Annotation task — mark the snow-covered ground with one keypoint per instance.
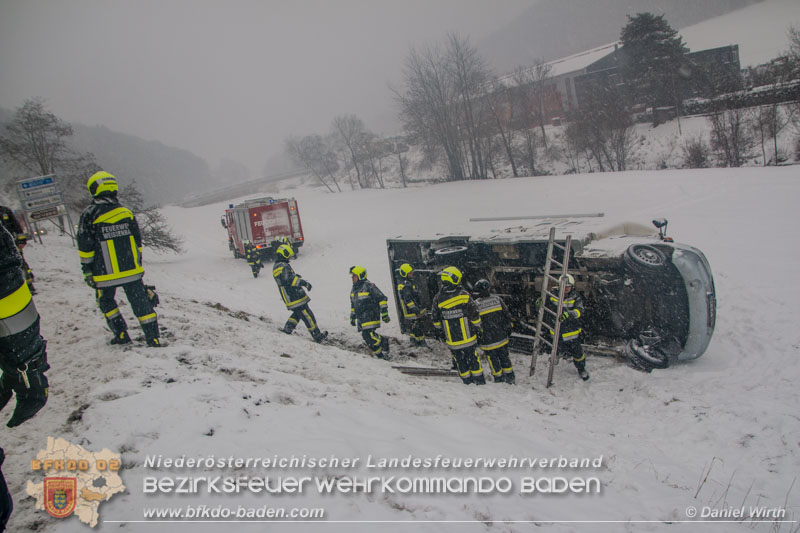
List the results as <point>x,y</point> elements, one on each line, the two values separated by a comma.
<point>722,431</point>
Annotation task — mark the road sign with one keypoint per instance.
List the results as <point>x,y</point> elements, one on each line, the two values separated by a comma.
<point>47,212</point>
<point>42,201</point>
<point>40,191</point>
<point>34,183</point>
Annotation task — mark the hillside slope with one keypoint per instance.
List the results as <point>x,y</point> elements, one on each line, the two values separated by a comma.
<point>229,384</point>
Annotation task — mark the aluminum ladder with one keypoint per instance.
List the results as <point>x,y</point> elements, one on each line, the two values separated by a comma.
<point>544,295</point>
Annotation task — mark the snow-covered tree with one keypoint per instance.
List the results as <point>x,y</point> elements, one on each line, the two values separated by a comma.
<point>653,54</point>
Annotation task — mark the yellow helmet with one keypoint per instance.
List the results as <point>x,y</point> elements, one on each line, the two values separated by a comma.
<point>405,269</point>
<point>359,272</point>
<point>285,251</point>
<point>451,275</point>
<point>101,182</point>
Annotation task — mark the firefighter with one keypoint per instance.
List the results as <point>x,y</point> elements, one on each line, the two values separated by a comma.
<point>23,355</point>
<point>496,320</point>
<point>253,257</point>
<point>571,325</point>
<point>456,317</point>
<point>110,248</point>
<point>410,304</point>
<point>368,306</point>
<point>6,503</point>
<point>10,222</point>
<point>293,289</point>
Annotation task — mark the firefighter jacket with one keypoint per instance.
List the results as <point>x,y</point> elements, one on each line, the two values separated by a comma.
<point>290,285</point>
<point>17,311</point>
<point>455,313</point>
<point>409,299</point>
<point>251,254</point>
<point>367,304</point>
<point>573,306</point>
<point>109,243</point>
<point>10,222</point>
<point>495,320</point>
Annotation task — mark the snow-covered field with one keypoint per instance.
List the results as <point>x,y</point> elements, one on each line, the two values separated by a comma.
<point>720,432</point>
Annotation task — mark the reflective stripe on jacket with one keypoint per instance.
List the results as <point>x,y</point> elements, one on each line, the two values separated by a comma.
<point>409,300</point>
<point>495,320</point>
<point>573,304</point>
<point>290,285</point>
<point>367,303</point>
<point>109,243</point>
<point>455,313</point>
<point>17,310</point>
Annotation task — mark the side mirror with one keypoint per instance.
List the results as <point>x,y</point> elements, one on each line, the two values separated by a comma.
<point>660,222</point>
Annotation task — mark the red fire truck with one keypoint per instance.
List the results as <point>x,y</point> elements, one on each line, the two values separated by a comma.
<point>263,222</point>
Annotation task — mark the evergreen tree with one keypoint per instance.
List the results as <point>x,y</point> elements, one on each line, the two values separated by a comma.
<point>653,54</point>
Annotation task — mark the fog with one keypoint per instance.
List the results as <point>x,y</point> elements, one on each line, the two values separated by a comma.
<point>224,78</point>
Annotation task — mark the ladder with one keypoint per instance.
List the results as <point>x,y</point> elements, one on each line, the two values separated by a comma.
<point>544,295</point>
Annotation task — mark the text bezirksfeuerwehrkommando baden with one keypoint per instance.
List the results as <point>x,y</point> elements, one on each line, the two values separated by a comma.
<point>161,462</point>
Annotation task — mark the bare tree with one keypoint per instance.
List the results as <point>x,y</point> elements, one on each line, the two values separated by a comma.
<point>427,107</point>
<point>314,154</point>
<point>470,75</point>
<point>540,80</point>
<point>350,132</point>
<point>604,127</point>
<point>376,150</point>
<point>730,138</point>
<point>35,143</point>
<point>156,233</point>
<point>500,101</point>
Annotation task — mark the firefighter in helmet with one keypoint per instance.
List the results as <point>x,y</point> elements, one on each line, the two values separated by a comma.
<point>110,248</point>
<point>410,304</point>
<point>368,306</point>
<point>293,289</point>
<point>253,257</point>
<point>456,317</point>
<point>10,222</point>
<point>496,320</point>
<point>571,329</point>
<point>23,356</point>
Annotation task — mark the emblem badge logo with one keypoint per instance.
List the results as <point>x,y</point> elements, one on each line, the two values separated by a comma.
<point>60,495</point>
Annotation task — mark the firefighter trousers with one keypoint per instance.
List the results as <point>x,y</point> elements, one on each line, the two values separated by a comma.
<point>417,332</point>
<point>572,348</point>
<point>305,314</point>
<point>499,362</point>
<point>378,344</point>
<point>140,303</point>
<point>468,365</point>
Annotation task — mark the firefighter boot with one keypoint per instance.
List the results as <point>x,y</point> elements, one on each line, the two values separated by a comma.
<point>581,366</point>
<point>288,328</point>
<point>6,388</point>
<point>319,336</point>
<point>151,334</point>
<point>510,378</point>
<point>120,330</point>
<point>31,389</point>
<point>121,338</point>
<point>500,379</point>
<point>479,379</point>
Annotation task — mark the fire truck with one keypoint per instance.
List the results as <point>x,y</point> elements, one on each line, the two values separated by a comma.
<point>263,222</point>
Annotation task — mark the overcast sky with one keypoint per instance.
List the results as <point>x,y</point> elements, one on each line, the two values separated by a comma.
<point>223,78</point>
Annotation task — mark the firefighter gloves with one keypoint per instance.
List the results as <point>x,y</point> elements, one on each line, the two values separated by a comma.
<point>385,316</point>
<point>89,279</point>
<point>564,316</point>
